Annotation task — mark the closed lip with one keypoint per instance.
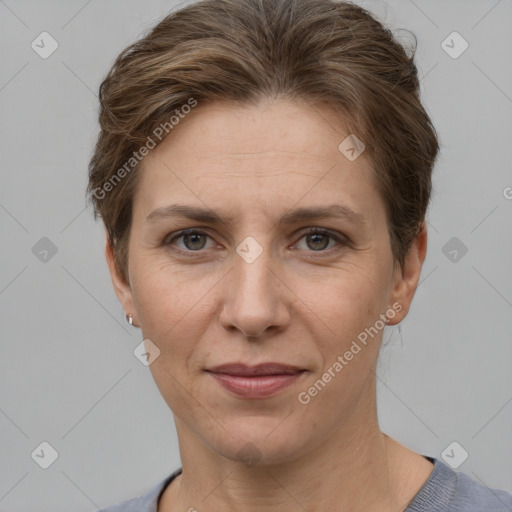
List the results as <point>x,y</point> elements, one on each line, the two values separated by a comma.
<point>255,382</point>
<point>243,370</point>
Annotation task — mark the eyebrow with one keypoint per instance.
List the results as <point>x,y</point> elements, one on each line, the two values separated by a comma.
<point>292,217</point>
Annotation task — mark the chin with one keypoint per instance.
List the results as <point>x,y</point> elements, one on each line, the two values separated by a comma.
<point>262,441</point>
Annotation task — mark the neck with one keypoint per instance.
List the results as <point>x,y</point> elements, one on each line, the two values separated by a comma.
<point>357,468</point>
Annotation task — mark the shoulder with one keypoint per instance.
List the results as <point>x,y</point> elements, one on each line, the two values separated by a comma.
<point>128,506</point>
<point>447,490</point>
<point>145,503</point>
<point>473,495</point>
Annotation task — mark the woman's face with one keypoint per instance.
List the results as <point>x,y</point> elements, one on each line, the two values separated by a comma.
<point>254,287</point>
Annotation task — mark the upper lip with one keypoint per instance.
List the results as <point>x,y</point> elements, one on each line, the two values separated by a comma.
<point>259,369</point>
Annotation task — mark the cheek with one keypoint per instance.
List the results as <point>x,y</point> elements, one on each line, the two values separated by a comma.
<point>162,305</point>
<point>163,295</point>
<point>169,308</point>
<point>351,301</point>
<point>348,335</point>
<point>349,349</point>
<point>175,309</point>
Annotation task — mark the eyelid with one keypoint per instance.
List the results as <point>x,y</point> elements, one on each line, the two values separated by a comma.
<point>340,238</point>
<point>171,237</point>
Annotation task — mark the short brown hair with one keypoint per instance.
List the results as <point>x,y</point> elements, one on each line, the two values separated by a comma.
<point>245,51</point>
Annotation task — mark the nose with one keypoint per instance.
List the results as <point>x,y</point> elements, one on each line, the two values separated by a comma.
<point>255,298</point>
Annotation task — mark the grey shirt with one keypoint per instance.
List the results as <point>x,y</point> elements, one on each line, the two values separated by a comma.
<point>445,490</point>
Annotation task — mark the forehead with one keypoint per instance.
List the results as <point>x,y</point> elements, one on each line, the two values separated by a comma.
<point>275,154</point>
<point>257,131</point>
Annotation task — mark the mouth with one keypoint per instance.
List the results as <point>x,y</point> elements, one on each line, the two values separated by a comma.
<point>255,382</point>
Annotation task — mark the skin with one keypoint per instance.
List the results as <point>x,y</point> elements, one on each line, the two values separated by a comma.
<point>301,302</point>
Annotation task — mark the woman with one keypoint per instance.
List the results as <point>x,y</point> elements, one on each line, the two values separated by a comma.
<point>263,172</point>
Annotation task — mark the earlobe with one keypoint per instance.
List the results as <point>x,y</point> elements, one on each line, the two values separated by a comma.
<point>121,287</point>
<point>407,278</point>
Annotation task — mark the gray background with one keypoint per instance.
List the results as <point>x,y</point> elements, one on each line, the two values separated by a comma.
<point>68,375</point>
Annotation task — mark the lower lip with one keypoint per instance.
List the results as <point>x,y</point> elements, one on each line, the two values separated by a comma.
<point>261,386</point>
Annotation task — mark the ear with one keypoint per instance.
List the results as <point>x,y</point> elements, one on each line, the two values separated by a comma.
<point>121,287</point>
<point>406,279</point>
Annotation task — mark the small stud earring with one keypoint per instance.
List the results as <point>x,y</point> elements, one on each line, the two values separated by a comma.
<point>129,318</point>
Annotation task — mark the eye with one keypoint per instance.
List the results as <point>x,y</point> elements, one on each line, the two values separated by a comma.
<point>193,240</point>
<point>317,240</point>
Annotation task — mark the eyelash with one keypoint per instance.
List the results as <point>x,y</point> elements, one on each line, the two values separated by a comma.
<point>340,240</point>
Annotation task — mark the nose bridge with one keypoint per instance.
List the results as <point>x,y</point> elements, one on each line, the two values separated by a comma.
<point>252,302</point>
<point>252,278</point>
